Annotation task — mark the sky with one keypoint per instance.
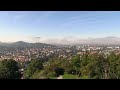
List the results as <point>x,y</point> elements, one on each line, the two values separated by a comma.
<point>50,25</point>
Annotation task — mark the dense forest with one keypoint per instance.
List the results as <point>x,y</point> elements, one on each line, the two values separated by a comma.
<point>85,66</point>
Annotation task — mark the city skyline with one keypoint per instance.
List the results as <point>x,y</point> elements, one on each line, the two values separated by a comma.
<point>47,26</point>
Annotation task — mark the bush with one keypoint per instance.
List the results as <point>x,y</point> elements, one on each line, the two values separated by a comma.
<point>72,72</point>
<point>39,75</point>
<point>59,71</point>
<point>52,74</point>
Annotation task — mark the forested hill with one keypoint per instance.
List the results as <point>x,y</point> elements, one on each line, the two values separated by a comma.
<point>23,45</point>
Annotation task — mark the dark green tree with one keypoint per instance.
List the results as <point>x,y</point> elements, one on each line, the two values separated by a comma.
<point>75,62</point>
<point>9,70</point>
<point>59,71</point>
<point>33,66</point>
<point>100,68</point>
<point>114,66</point>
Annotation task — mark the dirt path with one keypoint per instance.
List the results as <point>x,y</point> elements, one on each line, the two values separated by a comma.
<point>60,77</point>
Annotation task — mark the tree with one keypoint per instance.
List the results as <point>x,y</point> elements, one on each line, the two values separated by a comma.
<point>67,66</point>
<point>99,68</point>
<point>90,66</point>
<point>114,66</point>
<point>59,71</point>
<point>33,66</point>
<point>9,70</point>
<point>75,62</point>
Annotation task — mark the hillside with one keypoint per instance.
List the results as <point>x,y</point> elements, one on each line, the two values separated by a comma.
<point>22,45</point>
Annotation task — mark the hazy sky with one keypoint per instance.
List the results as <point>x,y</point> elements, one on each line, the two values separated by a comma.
<point>24,25</point>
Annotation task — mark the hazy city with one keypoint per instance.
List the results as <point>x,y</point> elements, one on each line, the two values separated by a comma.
<point>59,45</point>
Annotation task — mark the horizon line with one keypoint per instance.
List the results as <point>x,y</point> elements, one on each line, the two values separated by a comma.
<point>48,40</point>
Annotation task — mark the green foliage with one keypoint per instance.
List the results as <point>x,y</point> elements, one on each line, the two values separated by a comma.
<point>39,75</point>
<point>59,71</point>
<point>52,74</point>
<point>9,70</point>
<point>84,77</point>
<point>69,76</point>
<point>86,66</point>
<point>114,66</point>
<point>34,65</point>
<point>52,78</point>
<point>67,66</point>
<point>76,61</point>
<point>89,66</point>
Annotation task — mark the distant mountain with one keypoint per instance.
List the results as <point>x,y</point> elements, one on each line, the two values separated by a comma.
<point>22,45</point>
<point>64,42</point>
<point>20,42</point>
<point>25,44</point>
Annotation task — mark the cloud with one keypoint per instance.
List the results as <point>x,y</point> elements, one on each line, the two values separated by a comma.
<point>58,40</point>
<point>62,40</point>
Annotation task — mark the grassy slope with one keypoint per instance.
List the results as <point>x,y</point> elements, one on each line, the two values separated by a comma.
<point>69,76</point>
<point>52,77</point>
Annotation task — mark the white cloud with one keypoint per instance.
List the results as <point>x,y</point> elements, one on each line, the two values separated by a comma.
<point>58,40</point>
